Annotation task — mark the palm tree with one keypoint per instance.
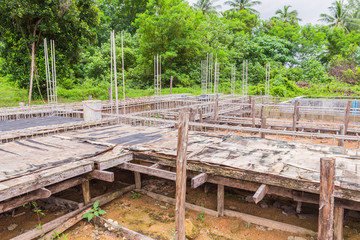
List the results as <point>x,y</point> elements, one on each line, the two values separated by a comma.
<point>340,16</point>
<point>286,15</point>
<point>238,5</point>
<point>206,6</point>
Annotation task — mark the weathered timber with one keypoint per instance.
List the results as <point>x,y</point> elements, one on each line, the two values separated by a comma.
<point>269,223</point>
<point>220,200</point>
<point>199,180</point>
<point>338,223</point>
<point>149,171</point>
<point>342,132</point>
<point>181,159</point>
<point>86,191</point>
<point>137,176</point>
<point>19,201</point>
<point>326,210</point>
<point>347,116</point>
<point>61,186</point>
<point>102,175</point>
<point>253,113</point>
<point>263,126</point>
<point>216,108</point>
<point>295,115</point>
<point>109,163</point>
<point>260,193</point>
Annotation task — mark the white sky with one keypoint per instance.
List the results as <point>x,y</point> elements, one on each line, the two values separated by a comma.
<point>309,10</point>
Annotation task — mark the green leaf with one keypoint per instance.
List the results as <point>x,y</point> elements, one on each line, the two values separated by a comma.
<point>90,217</point>
<point>96,213</point>
<point>96,204</point>
<point>101,212</point>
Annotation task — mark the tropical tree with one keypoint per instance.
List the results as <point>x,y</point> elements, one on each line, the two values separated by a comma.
<point>287,16</point>
<point>340,16</point>
<point>238,5</point>
<point>206,6</point>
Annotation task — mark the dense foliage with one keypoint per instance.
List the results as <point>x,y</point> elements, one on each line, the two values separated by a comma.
<point>302,57</point>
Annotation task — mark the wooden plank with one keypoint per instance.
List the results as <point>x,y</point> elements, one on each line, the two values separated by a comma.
<point>220,200</point>
<point>149,171</point>
<point>260,193</point>
<point>86,191</point>
<point>198,180</point>
<point>295,115</point>
<point>216,108</point>
<point>109,163</point>
<point>137,176</point>
<point>102,175</point>
<point>338,223</point>
<point>326,210</point>
<point>342,132</point>
<point>19,201</point>
<point>269,223</point>
<point>253,113</point>
<point>61,186</point>
<point>182,143</point>
<point>28,183</point>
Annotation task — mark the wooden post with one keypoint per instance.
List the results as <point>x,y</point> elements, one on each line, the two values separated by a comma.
<point>253,113</point>
<point>263,126</point>
<point>342,132</point>
<point>171,83</point>
<point>326,202</point>
<point>181,174</point>
<point>338,223</point>
<point>220,200</point>
<point>295,115</point>
<point>216,108</point>
<point>347,116</point>
<point>110,95</point>
<point>137,180</point>
<point>262,111</point>
<point>86,191</point>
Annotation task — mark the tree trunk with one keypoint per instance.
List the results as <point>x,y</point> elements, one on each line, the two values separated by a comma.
<point>32,70</point>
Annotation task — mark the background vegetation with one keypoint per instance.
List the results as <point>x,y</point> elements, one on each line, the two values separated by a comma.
<point>305,60</point>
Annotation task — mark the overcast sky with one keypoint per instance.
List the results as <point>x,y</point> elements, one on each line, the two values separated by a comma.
<point>309,10</point>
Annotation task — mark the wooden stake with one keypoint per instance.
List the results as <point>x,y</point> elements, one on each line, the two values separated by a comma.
<point>263,126</point>
<point>253,112</point>
<point>86,191</point>
<point>260,193</point>
<point>338,223</point>
<point>295,115</point>
<point>342,132</point>
<point>171,83</point>
<point>347,116</point>
<point>326,211</point>
<point>216,108</point>
<point>137,180</point>
<point>220,200</point>
<point>181,174</point>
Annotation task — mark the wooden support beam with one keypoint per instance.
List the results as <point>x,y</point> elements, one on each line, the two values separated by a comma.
<point>199,180</point>
<point>262,112</point>
<point>338,223</point>
<point>181,160</point>
<point>216,108</point>
<point>342,132</point>
<point>149,171</point>
<point>220,200</point>
<point>137,176</point>
<point>61,186</point>
<point>260,193</point>
<point>86,191</point>
<point>263,126</point>
<point>326,210</point>
<point>347,116</point>
<point>102,175</point>
<point>19,201</point>
<point>253,113</point>
<point>296,115</point>
<point>171,84</point>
